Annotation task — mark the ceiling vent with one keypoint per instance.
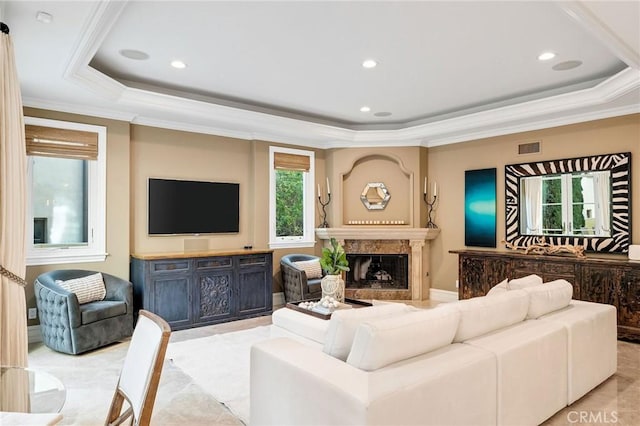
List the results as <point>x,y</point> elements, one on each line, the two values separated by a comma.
<point>529,148</point>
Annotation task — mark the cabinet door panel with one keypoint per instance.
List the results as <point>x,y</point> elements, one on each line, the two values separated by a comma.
<point>171,299</point>
<point>472,277</point>
<point>252,295</point>
<point>598,284</point>
<point>629,300</point>
<point>496,270</point>
<point>214,300</point>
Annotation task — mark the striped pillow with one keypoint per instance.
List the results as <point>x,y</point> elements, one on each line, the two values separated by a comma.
<point>87,289</point>
<point>310,267</point>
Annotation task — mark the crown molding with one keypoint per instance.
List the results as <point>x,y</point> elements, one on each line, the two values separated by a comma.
<point>73,108</point>
<point>581,13</point>
<point>145,107</point>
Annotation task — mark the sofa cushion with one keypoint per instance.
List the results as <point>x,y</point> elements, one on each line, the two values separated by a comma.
<point>499,288</point>
<point>344,323</point>
<point>310,267</point>
<point>87,289</point>
<point>528,281</point>
<point>97,311</point>
<point>548,297</point>
<point>383,341</point>
<point>481,315</point>
<point>301,324</point>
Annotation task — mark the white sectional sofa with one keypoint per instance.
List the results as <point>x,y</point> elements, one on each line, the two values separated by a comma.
<point>511,358</point>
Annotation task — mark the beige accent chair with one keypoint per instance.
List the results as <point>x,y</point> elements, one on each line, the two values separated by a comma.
<point>140,375</point>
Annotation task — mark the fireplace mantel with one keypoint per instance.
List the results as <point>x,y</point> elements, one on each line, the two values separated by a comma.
<point>377,233</point>
<point>418,241</point>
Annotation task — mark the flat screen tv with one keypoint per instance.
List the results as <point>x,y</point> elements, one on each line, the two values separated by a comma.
<point>193,207</point>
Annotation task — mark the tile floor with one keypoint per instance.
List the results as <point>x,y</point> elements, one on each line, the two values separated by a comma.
<point>91,378</point>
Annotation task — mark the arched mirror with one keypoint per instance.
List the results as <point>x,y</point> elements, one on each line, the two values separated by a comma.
<point>581,201</point>
<point>375,196</point>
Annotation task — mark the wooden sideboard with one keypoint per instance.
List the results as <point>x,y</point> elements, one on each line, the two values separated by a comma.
<point>196,289</point>
<point>612,280</point>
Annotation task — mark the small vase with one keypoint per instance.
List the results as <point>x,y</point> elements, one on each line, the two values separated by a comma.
<point>333,286</point>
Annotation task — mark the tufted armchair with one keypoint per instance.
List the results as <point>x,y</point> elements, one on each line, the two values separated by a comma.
<point>294,279</point>
<point>73,328</point>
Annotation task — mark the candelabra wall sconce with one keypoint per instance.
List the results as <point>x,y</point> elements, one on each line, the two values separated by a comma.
<point>430,203</point>
<point>324,205</point>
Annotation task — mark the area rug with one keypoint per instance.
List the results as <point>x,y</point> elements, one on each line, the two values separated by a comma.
<point>219,364</point>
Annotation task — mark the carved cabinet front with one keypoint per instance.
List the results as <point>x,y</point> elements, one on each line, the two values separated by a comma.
<point>191,292</point>
<point>615,281</point>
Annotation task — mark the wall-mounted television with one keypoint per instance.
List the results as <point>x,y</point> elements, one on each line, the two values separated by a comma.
<point>192,207</point>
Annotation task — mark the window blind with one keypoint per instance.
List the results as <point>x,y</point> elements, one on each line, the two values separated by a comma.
<point>61,143</point>
<point>283,161</point>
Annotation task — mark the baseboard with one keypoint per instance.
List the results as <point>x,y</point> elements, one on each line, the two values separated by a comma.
<point>278,299</point>
<point>34,334</point>
<point>438,295</point>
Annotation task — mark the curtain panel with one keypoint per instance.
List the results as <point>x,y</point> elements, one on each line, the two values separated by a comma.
<point>13,163</point>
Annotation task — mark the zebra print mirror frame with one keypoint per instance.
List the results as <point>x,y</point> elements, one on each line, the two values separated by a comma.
<point>620,166</point>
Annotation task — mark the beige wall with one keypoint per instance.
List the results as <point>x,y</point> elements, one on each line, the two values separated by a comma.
<point>447,164</point>
<point>135,153</point>
<point>117,262</point>
<point>181,155</point>
<point>163,153</point>
<point>400,169</point>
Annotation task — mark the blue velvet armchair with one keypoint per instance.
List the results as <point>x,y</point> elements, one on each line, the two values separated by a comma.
<point>294,280</point>
<point>73,328</point>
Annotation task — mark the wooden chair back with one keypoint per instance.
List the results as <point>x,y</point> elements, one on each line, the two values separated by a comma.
<point>140,375</point>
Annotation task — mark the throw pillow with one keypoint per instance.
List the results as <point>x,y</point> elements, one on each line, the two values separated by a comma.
<point>344,323</point>
<point>528,281</point>
<point>384,341</point>
<point>499,288</point>
<point>481,315</point>
<point>549,297</point>
<point>87,289</point>
<point>310,267</point>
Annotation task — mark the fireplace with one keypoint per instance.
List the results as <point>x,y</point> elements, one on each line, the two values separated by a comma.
<point>378,271</point>
<point>407,280</point>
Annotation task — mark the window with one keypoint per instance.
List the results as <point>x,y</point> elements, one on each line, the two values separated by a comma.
<point>291,201</point>
<point>66,187</point>
<point>567,204</point>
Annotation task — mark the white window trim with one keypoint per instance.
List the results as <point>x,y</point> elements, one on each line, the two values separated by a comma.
<point>308,239</point>
<point>95,251</point>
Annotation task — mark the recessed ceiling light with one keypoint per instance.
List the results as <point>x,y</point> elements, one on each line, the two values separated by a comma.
<point>44,17</point>
<point>566,65</point>
<point>382,114</point>
<point>365,109</point>
<point>546,56</point>
<point>369,63</point>
<point>178,64</point>
<point>138,55</point>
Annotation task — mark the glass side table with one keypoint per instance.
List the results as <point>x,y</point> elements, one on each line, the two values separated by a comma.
<point>30,391</point>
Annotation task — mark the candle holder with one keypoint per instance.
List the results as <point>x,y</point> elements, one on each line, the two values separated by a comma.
<point>324,223</point>
<point>430,223</point>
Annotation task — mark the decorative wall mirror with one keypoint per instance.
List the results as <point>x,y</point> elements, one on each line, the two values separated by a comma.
<point>580,201</point>
<point>375,196</point>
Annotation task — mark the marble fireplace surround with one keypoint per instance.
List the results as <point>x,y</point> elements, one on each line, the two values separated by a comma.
<point>388,240</point>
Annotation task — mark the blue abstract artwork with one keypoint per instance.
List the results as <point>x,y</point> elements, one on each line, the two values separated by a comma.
<point>480,208</point>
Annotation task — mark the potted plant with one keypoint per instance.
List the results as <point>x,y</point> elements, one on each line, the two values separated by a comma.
<point>334,263</point>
